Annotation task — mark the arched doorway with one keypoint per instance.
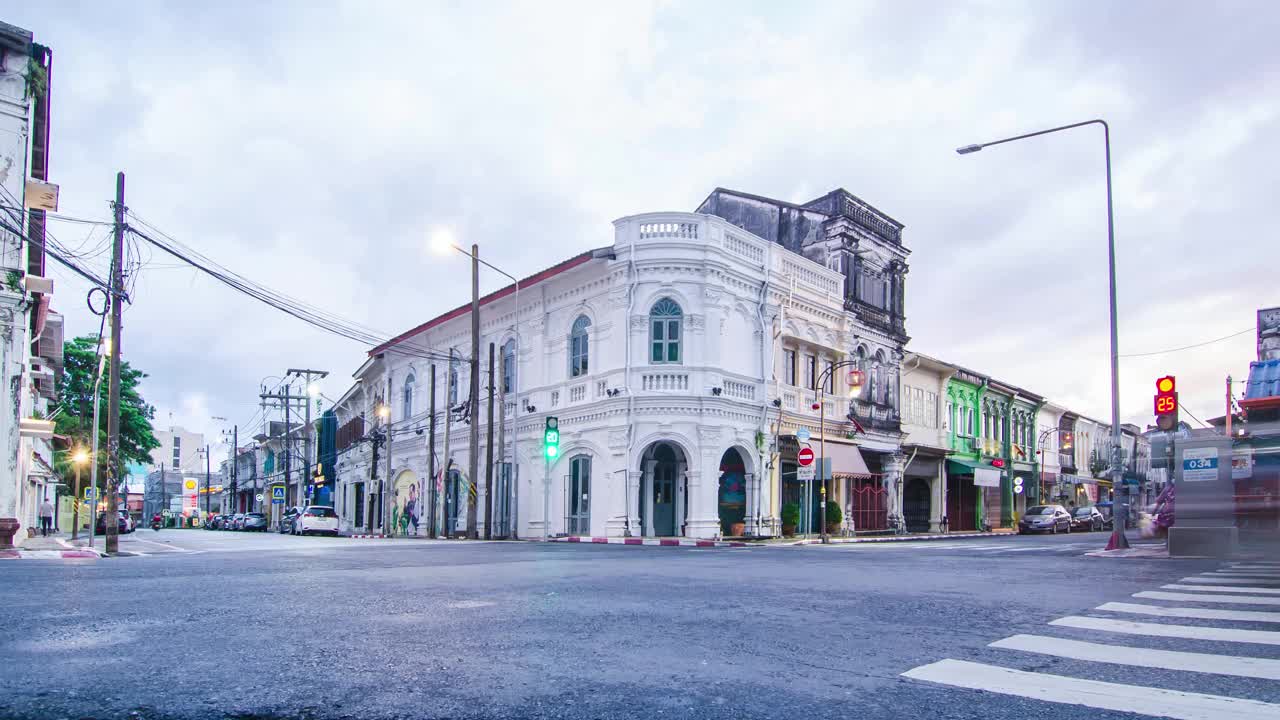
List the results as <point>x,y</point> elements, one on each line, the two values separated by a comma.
<point>662,497</point>
<point>916,502</point>
<point>406,505</point>
<point>455,503</point>
<point>732,492</point>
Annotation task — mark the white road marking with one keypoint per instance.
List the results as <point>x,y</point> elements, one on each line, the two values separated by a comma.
<point>1197,613</point>
<point>1192,632</point>
<point>1221,579</point>
<point>1263,668</point>
<point>1224,588</point>
<point>166,546</point>
<point>1189,597</point>
<point>1244,573</point>
<point>1235,566</point>
<point>1092,693</point>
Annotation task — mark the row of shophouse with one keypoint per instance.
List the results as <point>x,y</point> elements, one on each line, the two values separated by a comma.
<point>31,332</point>
<point>685,364</point>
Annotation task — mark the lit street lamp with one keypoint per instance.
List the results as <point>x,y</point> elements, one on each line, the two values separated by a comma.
<point>442,241</point>
<point>79,458</point>
<point>1118,539</point>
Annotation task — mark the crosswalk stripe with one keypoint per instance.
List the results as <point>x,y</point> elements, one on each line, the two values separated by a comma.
<point>1197,613</point>
<point>1192,632</point>
<point>1263,668</point>
<point>1224,588</point>
<point>1091,693</point>
<point>1223,579</point>
<point>1189,597</point>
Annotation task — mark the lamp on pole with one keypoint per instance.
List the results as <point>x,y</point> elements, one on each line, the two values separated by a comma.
<point>1044,435</point>
<point>855,385</point>
<point>79,458</point>
<point>442,241</point>
<point>1118,539</point>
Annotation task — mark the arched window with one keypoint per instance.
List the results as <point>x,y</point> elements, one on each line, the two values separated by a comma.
<point>509,366</point>
<point>664,332</point>
<point>453,382</point>
<point>407,398</point>
<point>578,351</point>
<point>879,379</point>
<point>865,367</point>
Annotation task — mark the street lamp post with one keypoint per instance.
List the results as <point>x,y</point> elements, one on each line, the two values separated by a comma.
<point>855,384</point>
<point>1044,435</point>
<point>443,242</point>
<point>1118,539</point>
<point>79,458</point>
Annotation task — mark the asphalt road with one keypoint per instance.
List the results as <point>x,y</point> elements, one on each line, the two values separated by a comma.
<point>215,624</point>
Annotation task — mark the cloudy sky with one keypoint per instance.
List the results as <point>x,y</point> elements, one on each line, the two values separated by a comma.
<point>314,148</point>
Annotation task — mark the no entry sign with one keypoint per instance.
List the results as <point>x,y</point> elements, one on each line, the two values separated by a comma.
<point>805,456</point>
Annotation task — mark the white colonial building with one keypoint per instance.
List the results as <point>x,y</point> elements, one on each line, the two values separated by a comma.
<point>679,361</point>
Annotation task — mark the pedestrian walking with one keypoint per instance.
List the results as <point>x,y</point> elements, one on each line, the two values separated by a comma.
<point>46,517</point>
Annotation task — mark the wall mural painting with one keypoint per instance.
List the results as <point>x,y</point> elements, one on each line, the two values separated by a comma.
<point>407,507</point>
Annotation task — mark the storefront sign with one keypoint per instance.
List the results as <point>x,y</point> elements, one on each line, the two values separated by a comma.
<point>1242,463</point>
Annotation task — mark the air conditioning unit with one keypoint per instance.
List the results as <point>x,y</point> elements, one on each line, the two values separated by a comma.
<point>977,443</point>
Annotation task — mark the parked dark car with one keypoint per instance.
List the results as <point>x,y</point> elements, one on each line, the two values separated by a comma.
<point>235,522</point>
<point>1087,518</point>
<point>124,527</point>
<point>254,521</point>
<point>1045,518</point>
<point>215,522</point>
<point>288,519</point>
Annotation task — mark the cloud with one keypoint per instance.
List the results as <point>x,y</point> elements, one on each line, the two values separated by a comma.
<point>313,149</point>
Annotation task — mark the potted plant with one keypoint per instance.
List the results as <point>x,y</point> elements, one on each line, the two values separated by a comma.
<point>835,516</point>
<point>790,518</point>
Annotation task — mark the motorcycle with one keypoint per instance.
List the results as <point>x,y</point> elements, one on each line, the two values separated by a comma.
<point>156,523</point>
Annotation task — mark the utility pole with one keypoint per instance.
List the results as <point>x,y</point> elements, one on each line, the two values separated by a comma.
<point>112,540</point>
<point>431,455</point>
<point>445,462</point>
<point>474,440</point>
<point>235,468</point>
<point>309,391</point>
<point>288,447</point>
<point>206,482</point>
<point>488,463</point>
<point>504,478</point>
<point>1228,415</point>
<point>164,493</point>
<point>386,479</point>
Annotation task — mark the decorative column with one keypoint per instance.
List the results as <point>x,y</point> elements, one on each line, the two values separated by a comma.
<point>893,465</point>
<point>750,485</point>
<point>646,497</point>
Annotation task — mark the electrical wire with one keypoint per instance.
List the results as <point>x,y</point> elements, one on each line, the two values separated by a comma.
<point>1188,347</point>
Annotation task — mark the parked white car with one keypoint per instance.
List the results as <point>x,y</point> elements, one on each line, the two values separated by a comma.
<point>316,519</point>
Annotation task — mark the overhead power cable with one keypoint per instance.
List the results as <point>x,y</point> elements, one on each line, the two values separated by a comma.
<point>1188,347</point>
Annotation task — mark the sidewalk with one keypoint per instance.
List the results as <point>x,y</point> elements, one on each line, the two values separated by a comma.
<point>54,547</point>
<point>766,542</point>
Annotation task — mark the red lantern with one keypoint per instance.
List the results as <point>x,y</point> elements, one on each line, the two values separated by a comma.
<point>856,378</point>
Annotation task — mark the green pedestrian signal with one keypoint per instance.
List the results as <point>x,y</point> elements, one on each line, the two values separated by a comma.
<point>551,438</point>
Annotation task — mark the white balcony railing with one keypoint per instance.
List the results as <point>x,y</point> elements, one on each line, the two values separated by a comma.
<point>664,382</point>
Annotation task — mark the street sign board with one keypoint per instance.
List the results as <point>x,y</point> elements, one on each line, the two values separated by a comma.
<point>804,457</point>
<point>277,492</point>
<point>806,472</point>
<point>803,435</point>
<point>88,493</point>
<point>1200,464</point>
<point>259,497</point>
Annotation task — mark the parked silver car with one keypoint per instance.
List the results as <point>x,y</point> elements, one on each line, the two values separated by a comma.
<point>1045,518</point>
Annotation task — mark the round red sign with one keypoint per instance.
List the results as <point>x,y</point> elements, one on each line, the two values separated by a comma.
<point>805,456</point>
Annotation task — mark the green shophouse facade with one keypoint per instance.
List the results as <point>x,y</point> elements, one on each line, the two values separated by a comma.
<point>964,444</point>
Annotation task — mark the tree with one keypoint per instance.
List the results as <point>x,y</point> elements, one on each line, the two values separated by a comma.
<point>75,398</point>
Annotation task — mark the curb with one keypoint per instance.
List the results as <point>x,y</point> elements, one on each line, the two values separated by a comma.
<point>900,538</point>
<point>650,542</point>
<point>47,554</point>
<point>365,537</point>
